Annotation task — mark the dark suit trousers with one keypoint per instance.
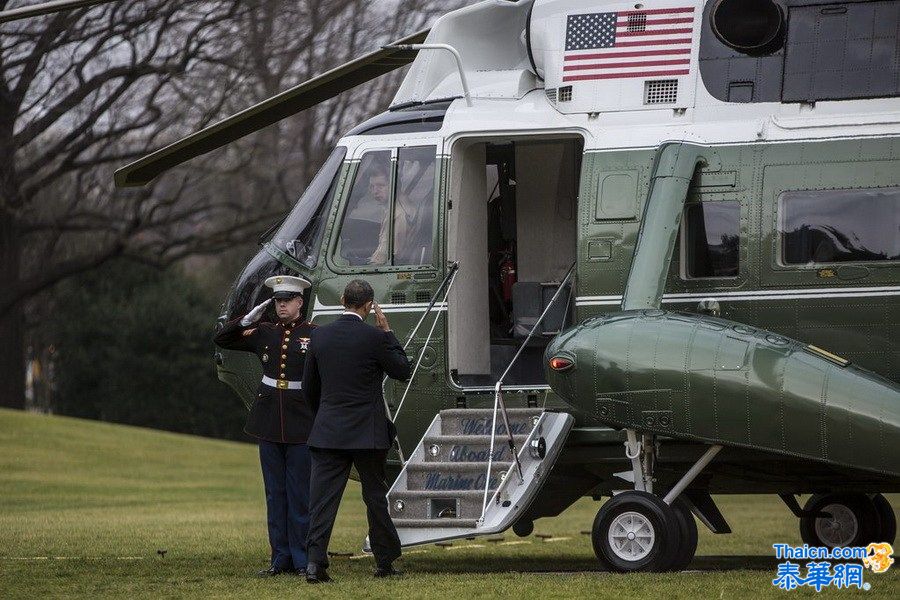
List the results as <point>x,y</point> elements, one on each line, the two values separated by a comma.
<point>285,470</point>
<point>330,471</point>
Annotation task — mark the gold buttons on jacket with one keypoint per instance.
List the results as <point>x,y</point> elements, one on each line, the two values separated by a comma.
<point>283,356</point>
<point>284,347</point>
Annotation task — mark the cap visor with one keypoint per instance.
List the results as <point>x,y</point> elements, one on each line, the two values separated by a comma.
<point>285,295</point>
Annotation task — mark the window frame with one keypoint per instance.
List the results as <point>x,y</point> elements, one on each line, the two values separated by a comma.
<point>333,259</point>
<point>395,183</point>
<point>815,266</point>
<point>683,243</point>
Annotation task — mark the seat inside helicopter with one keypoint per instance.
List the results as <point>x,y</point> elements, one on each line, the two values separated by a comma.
<point>513,230</point>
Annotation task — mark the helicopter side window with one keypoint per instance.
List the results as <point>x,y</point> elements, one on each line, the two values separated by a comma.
<point>389,220</point>
<point>367,210</point>
<point>412,237</point>
<point>835,226</point>
<point>712,239</point>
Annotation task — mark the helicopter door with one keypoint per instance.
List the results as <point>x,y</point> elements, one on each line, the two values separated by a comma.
<point>513,229</point>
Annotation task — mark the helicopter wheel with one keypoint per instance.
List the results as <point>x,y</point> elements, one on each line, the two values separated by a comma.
<point>523,528</point>
<point>636,531</point>
<point>854,521</point>
<point>888,528</point>
<point>687,533</point>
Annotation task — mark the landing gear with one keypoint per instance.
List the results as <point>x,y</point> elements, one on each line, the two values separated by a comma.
<point>853,520</point>
<point>636,531</point>
<point>687,533</point>
<point>888,519</point>
<point>641,531</point>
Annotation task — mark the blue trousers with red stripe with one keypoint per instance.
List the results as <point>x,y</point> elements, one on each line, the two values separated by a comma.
<point>285,469</point>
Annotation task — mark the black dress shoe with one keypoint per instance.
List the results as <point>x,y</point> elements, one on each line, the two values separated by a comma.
<point>387,571</point>
<point>299,572</point>
<point>273,571</point>
<point>316,574</point>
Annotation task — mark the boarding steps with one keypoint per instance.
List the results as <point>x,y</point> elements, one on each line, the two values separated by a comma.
<point>440,493</point>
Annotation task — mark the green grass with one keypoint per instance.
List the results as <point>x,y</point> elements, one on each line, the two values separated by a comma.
<point>85,506</point>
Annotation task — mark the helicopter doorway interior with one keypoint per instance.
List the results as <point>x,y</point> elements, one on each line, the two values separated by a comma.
<point>513,229</point>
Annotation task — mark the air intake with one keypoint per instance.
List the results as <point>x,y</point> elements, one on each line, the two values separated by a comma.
<point>662,91</point>
<point>398,298</point>
<point>754,27</point>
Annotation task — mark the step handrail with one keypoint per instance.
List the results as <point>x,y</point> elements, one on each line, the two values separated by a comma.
<point>448,280</point>
<point>499,403</point>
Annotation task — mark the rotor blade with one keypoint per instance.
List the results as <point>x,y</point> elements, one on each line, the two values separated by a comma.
<point>298,98</point>
<point>35,10</point>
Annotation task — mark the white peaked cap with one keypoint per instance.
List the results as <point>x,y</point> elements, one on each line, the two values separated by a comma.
<point>287,283</point>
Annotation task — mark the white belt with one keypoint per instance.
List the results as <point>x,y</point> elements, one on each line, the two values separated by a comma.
<point>282,384</point>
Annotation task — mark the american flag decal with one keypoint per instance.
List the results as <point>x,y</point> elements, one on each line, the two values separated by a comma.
<point>624,44</point>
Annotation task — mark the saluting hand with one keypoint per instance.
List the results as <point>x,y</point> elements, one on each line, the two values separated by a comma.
<point>381,321</point>
<point>256,314</point>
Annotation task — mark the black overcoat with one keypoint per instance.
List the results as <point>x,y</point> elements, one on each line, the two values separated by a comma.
<point>345,365</point>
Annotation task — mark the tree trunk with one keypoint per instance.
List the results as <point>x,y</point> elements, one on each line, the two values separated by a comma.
<point>12,339</point>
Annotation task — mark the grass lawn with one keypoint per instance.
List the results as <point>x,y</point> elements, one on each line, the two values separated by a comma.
<point>99,510</point>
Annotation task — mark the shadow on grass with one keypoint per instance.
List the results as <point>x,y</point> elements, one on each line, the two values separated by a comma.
<point>448,564</point>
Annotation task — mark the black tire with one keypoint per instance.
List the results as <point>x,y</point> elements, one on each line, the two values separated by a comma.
<point>888,519</point>
<point>858,523</point>
<point>687,533</point>
<point>523,528</point>
<point>654,523</point>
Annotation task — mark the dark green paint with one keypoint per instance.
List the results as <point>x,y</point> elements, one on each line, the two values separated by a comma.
<point>863,330</point>
<point>719,382</point>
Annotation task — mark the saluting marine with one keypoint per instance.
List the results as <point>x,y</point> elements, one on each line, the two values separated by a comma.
<point>280,417</point>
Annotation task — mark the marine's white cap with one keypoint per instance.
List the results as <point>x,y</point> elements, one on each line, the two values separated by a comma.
<point>287,286</point>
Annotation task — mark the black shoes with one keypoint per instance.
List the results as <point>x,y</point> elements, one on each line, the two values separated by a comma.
<point>316,574</point>
<point>273,571</point>
<point>387,571</point>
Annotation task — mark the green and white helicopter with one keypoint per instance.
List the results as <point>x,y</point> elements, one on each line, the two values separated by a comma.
<point>649,251</point>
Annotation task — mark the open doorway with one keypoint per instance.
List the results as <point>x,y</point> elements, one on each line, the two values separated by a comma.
<point>513,229</point>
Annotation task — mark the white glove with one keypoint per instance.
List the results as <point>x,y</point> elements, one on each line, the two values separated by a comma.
<point>254,315</point>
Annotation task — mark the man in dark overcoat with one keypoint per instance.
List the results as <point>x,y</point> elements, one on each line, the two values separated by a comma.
<point>345,367</point>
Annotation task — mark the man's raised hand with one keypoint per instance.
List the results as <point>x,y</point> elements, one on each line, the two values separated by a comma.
<point>381,321</point>
<point>256,314</point>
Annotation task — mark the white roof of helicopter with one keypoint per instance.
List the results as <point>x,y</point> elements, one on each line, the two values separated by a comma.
<point>610,111</point>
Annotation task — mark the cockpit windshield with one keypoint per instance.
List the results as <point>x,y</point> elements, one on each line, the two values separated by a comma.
<point>300,235</point>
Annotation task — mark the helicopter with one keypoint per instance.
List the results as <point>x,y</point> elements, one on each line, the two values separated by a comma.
<point>643,251</point>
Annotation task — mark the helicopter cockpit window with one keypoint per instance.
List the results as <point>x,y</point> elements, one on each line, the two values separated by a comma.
<point>301,233</point>
<point>712,239</point>
<point>413,210</point>
<point>403,188</point>
<point>834,226</point>
<point>367,210</point>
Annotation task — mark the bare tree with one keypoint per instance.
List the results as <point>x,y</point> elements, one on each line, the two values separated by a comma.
<point>85,91</point>
<point>79,92</point>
